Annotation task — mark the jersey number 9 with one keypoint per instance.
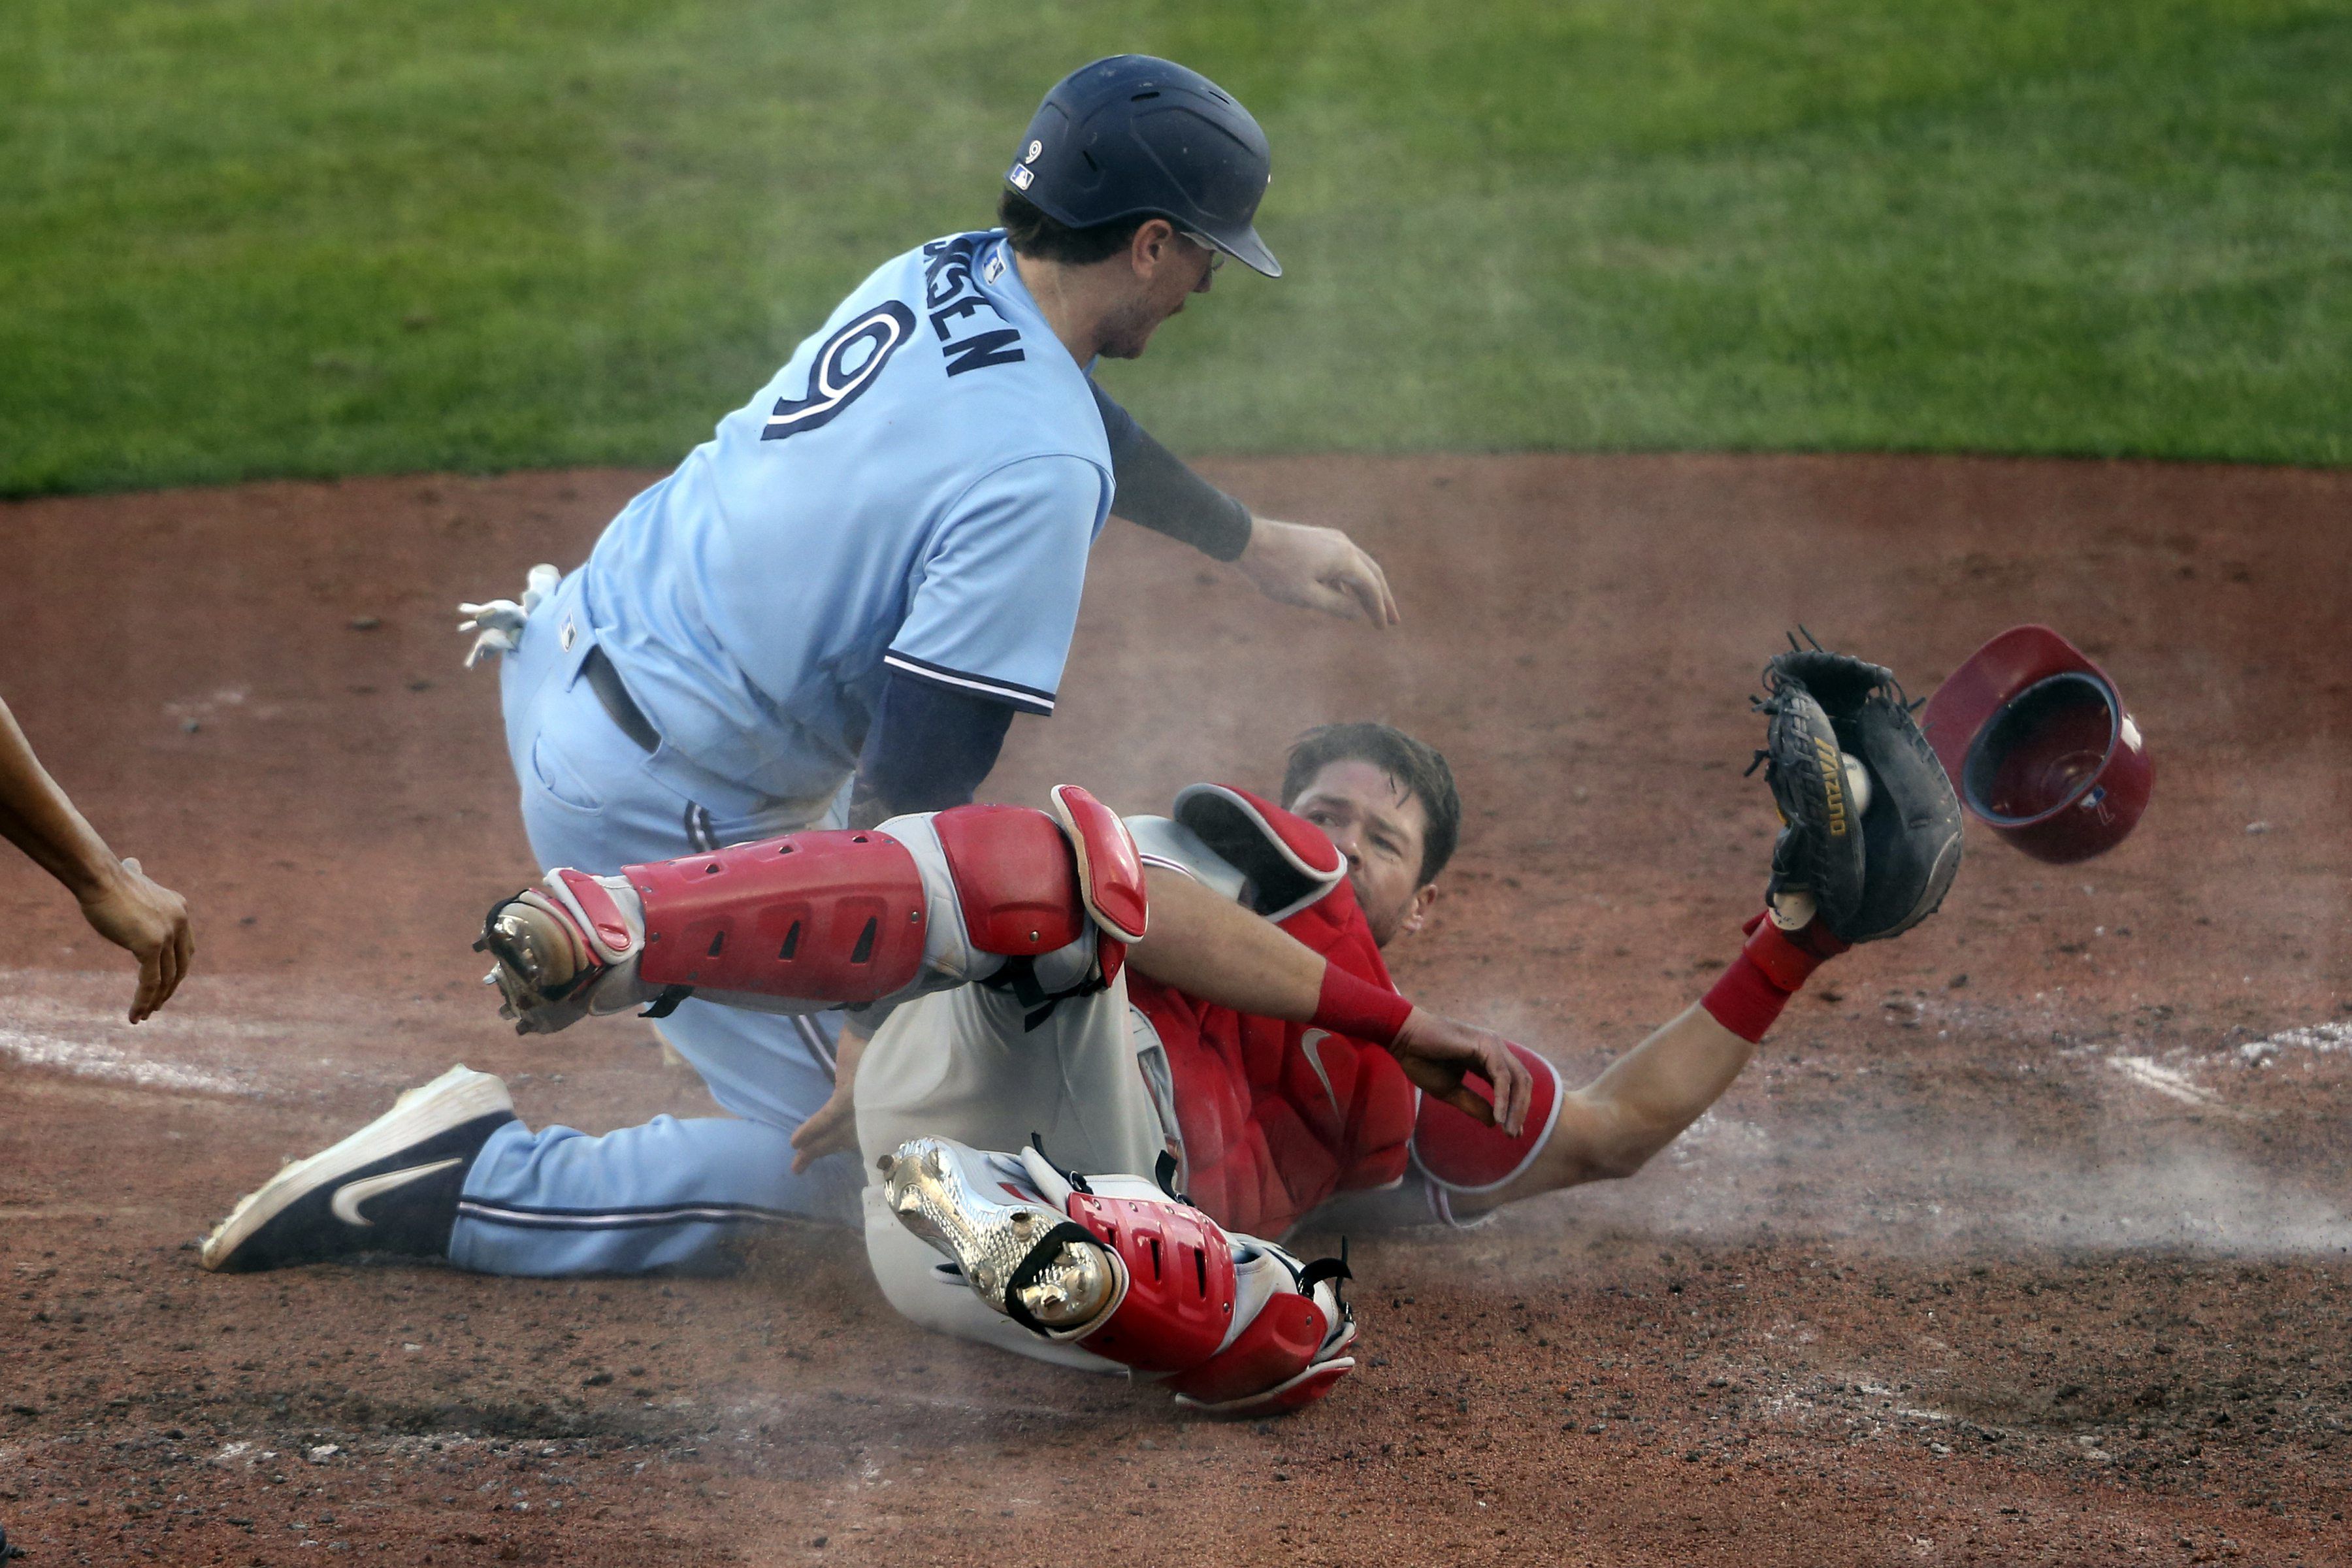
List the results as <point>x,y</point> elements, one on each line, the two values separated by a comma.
<point>846,365</point>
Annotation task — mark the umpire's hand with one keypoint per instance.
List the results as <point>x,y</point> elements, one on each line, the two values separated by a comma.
<point>149,922</point>
<point>1317,569</point>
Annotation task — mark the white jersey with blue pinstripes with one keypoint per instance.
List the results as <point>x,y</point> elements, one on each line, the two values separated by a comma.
<point>917,488</point>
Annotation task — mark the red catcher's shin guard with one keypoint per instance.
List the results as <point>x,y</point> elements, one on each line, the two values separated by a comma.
<point>1110,872</point>
<point>830,916</point>
<point>1028,883</point>
<point>1180,1288</point>
<point>1015,878</point>
<point>1123,1269</point>
<point>1177,1316</point>
<point>1268,1354</point>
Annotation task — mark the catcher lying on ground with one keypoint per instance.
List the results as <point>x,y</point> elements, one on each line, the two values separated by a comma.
<point>1200,996</point>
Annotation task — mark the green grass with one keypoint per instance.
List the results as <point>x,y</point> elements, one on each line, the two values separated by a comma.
<point>241,237</point>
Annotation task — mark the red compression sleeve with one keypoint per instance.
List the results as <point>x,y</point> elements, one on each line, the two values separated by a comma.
<point>1750,995</point>
<point>1357,1008</point>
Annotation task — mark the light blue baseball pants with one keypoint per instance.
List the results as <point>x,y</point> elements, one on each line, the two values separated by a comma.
<point>670,1194</point>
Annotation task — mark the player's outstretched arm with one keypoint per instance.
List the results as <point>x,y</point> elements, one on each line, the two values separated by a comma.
<point>1640,1102</point>
<point>1870,843</point>
<point>117,899</point>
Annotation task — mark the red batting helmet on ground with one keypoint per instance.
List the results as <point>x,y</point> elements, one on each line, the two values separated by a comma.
<point>2039,744</point>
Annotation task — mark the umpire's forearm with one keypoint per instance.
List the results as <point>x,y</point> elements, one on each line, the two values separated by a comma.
<point>36,817</point>
<point>1207,946</point>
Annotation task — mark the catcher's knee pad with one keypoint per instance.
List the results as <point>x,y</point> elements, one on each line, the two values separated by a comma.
<point>1120,1267</point>
<point>831,916</point>
<point>1461,1155</point>
<point>1064,892</point>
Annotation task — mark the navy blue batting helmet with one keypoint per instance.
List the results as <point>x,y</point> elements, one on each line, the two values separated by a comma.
<point>1132,136</point>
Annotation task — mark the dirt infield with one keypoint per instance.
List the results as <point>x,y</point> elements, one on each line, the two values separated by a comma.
<point>2025,1241</point>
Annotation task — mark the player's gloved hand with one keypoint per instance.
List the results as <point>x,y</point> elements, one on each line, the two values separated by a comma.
<point>1317,569</point>
<point>1437,1052</point>
<point>498,625</point>
<point>1872,834</point>
<point>565,950</point>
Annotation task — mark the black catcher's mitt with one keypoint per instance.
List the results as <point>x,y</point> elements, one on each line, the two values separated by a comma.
<point>1877,870</point>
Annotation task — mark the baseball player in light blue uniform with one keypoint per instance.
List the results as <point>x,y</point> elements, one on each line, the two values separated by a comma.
<point>896,506</point>
<point>830,612</point>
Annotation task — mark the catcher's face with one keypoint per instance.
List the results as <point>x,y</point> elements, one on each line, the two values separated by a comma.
<point>1379,826</point>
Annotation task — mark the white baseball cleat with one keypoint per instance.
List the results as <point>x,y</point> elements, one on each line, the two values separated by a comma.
<point>1130,1270</point>
<point>1011,1248</point>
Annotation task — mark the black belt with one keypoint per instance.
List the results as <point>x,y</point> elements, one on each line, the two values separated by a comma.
<point>619,706</point>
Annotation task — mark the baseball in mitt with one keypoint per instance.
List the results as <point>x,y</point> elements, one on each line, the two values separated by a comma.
<point>1872,825</point>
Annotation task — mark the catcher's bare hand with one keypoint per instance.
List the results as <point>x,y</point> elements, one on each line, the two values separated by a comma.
<point>834,1127</point>
<point>1435,1052</point>
<point>150,922</point>
<point>1317,569</point>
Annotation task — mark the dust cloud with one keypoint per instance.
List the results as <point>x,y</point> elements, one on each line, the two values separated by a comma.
<point>2099,1150</point>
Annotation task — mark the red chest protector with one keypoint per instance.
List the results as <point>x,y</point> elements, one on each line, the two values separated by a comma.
<point>1278,1117</point>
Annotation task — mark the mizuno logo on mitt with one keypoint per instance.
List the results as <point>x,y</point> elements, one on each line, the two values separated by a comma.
<point>1833,785</point>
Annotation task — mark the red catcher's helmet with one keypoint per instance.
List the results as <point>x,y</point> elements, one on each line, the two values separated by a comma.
<point>2038,742</point>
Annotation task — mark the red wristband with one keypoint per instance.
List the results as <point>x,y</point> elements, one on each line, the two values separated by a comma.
<point>1744,1000</point>
<point>1788,958</point>
<point>1357,1008</point>
<point>1748,995</point>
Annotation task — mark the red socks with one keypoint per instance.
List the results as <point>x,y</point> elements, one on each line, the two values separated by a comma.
<point>1750,995</point>
<point>1357,1008</point>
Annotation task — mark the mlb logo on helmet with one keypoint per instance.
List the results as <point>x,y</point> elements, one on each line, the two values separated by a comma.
<point>2038,742</point>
